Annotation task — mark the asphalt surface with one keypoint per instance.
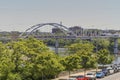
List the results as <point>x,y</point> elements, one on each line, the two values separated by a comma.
<point>115,76</point>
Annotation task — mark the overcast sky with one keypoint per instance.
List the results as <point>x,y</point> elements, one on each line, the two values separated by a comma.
<point>21,14</point>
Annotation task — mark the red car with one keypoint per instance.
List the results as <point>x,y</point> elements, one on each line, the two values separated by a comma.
<point>81,77</point>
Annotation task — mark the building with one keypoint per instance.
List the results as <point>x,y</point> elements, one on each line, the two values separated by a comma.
<point>77,30</point>
<point>56,30</point>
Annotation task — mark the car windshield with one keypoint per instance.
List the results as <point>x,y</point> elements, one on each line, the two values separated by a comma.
<point>98,73</point>
<point>89,74</point>
<point>73,76</point>
<point>70,79</point>
<point>109,68</point>
<point>80,76</point>
<point>103,69</point>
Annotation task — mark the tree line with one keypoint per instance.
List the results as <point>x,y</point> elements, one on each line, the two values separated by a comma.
<point>31,59</point>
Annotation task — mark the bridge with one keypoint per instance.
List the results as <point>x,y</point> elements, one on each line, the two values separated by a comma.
<point>63,28</point>
<point>67,34</point>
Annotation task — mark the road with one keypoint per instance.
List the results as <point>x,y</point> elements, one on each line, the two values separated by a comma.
<point>115,76</point>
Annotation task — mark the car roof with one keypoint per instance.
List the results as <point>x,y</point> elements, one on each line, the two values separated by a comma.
<point>90,73</point>
<point>80,76</point>
<point>68,79</point>
<point>72,76</point>
<point>100,72</point>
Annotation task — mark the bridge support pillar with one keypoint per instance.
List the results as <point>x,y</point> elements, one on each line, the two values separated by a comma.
<point>115,46</point>
<point>56,46</point>
<point>116,50</point>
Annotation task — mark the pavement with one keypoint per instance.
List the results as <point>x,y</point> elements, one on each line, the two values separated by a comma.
<point>74,74</point>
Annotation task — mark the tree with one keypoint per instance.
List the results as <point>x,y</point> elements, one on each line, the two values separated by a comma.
<point>6,65</point>
<point>101,44</point>
<point>28,59</point>
<point>78,47</point>
<point>40,61</point>
<point>88,60</point>
<point>104,57</point>
<point>85,53</point>
<point>50,63</point>
<point>71,62</point>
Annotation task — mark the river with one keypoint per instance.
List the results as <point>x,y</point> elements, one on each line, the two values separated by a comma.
<point>63,50</point>
<point>59,49</point>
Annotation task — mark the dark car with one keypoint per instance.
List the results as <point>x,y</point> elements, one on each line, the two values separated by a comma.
<point>105,71</point>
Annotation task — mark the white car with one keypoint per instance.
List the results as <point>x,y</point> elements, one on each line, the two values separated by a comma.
<point>111,70</point>
<point>69,79</point>
<point>72,79</point>
<point>91,75</point>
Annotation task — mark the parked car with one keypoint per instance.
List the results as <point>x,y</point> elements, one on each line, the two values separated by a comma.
<point>73,77</point>
<point>118,67</point>
<point>69,79</point>
<point>81,77</point>
<point>100,74</point>
<point>105,71</point>
<point>115,69</point>
<point>111,70</point>
<point>91,75</point>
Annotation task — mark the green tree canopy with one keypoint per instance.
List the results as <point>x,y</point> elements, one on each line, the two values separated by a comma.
<point>28,59</point>
<point>78,47</point>
<point>104,57</point>
<point>101,44</point>
<point>85,53</point>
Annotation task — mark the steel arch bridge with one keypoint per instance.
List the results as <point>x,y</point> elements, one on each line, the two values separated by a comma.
<point>63,28</point>
<point>68,34</point>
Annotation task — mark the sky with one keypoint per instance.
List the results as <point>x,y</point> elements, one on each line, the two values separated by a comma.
<point>18,15</point>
